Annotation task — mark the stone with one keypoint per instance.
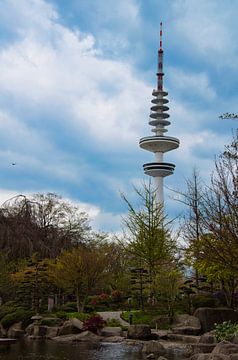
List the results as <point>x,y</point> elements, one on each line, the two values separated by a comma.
<point>203,348</point>
<point>3,332</point>
<point>111,331</point>
<point>209,316</point>
<point>225,348</point>
<point>77,323</point>
<point>208,338</point>
<point>154,347</point>
<point>15,331</point>
<point>139,332</point>
<point>29,329</point>
<point>200,357</point>
<point>150,356</point>
<point>70,327</point>
<point>84,336</point>
<point>113,339</point>
<point>186,320</point>
<point>52,331</point>
<point>162,358</point>
<point>186,325</point>
<point>234,339</point>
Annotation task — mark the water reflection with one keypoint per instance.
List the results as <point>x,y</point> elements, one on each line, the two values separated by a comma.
<point>37,350</point>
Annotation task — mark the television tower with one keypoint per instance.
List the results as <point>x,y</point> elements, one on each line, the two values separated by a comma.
<point>159,143</point>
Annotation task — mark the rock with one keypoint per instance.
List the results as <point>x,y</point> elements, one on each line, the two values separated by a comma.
<point>234,356</point>
<point>113,339</point>
<point>150,356</point>
<point>3,332</point>
<point>111,331</point>
<point>186,325</point>
<point>225,348</point>
<point>52,331</point>
<point>219,357</point>
<point>15,331</point>
<point>160,322</point>
<point>42,331</point>
<point>29,329</point>
<point>154,347</point>
<point>139,332</point>
<point>77,323</point>
<point>234,339</point>
<point>187,339</point>
<point>84,336</point>
<point>200,357</point>
<point>208,338</point>
<point>163,334</point>
<point>203,348</point>
<point>162,358</point>
<point>186,320</point>
<point>70,327</point>
<point>209,316</point>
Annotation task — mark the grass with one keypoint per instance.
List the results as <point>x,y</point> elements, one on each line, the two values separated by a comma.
<point>139,317</point>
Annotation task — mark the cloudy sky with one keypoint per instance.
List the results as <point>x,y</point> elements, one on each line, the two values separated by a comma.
<point>76,78</point>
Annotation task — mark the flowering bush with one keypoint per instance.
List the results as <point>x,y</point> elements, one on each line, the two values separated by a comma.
<point>225,330</point>
<point>101,299</point>
<point>116,295</point>
<point>94,324</point>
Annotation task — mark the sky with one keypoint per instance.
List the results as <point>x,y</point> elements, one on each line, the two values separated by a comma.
<point>76,78</point>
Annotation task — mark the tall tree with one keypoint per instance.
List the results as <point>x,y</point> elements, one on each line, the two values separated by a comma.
<point>146,235</point>
<point>81,269</point>
<point>219,248</point>
<point>44,224</point>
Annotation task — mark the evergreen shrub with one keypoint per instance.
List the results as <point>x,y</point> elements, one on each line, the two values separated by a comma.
<point>203,301</point>
<point>18,315</point>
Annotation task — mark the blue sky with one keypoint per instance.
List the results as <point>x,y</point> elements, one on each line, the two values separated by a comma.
<point>76,78</point>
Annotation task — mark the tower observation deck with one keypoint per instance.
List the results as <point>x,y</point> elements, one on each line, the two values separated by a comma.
<point>159,143</point>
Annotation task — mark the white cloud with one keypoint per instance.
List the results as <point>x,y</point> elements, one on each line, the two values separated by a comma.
<point>100,96</point>
<point>207,28</point>
<point>195,84</point>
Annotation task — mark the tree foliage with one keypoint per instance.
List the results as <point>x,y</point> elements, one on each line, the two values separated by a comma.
<point>43,224</point>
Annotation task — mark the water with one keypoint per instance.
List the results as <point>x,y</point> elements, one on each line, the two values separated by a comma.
<point>50,350</point>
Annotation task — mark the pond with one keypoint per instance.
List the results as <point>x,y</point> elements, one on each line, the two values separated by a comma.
<point>37,350</point>
<point>50,350</point>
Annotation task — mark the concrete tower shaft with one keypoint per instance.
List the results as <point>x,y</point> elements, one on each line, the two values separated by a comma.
<point>159,143</point>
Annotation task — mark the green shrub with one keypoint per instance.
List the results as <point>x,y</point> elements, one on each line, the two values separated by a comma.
<point>203,301</point>
<point>139,317</point>
<point>51,321</point>
<point>113,323</point>
<point>8,308</point>
<point>69,307</point>
<point>19,315</point>
<point>69,315</point>
<point>225,330</point>
<point>80,316</point>
<point>62,315</point>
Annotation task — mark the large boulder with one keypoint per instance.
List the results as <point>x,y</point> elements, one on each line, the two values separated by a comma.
<point>72,326</point>
<point>52,331</point>
<point>225,348</point>
<point>153,347</point>
<point>139,332</point>
<point>15,331</point>
<point>209,316</point>
<point>111,331</point>
<point>186,324</point>
<point>86,336</point>
<point>207,338</point>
